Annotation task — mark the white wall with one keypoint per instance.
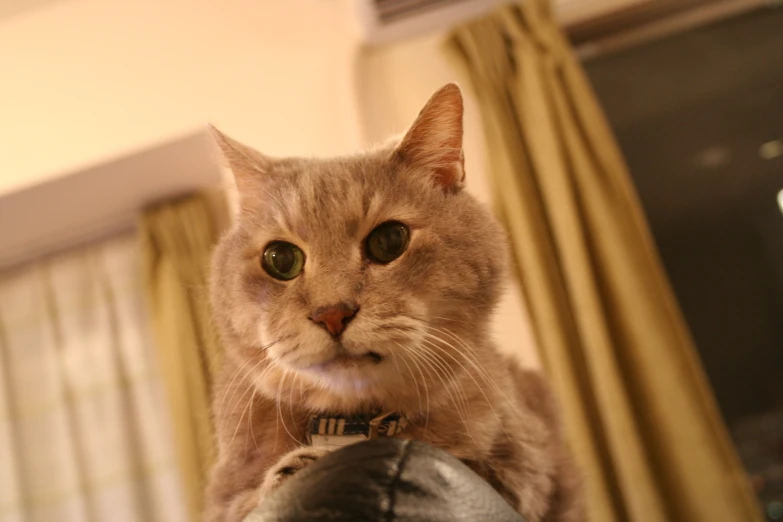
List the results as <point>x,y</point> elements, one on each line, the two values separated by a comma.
<point>87,81</point>
<point>394,83</point>
<point>84,81</point>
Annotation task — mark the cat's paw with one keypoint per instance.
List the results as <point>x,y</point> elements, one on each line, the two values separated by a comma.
<point>289,464</point>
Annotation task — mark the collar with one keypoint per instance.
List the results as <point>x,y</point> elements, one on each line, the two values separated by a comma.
<point>334,431</point>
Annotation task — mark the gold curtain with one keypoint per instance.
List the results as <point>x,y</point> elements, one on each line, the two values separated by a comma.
<point>638,409</point>
<point>177,240</point>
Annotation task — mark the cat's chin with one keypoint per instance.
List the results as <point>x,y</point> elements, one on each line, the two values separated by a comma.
<point>348,373</point>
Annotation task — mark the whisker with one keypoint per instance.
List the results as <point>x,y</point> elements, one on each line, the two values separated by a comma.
<point>272,343</point>
<point>250,420</point>
<point>277,418</point>
<point>459,388</point>
<point>301,390</point>
<point>472,377</point>
<point>467,353</point>
<point>233,380</point>
<point>396,327</point>
<point>480,371</point>
<point>426,393</point>
<point>291,400</point>
<point>279,409</point>
<point>396,364</point>
<point>460,406</point>
<point>251,388</point>
<point>416,384</point>
<point>238,371</point>
<point>483,374</point>
<point>448,372</point>
<point>469,356</point>
<point>239,423</point>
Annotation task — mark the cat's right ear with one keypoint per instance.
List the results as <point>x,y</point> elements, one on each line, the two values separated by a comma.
<point>247,164</point>
<point>434,141</point>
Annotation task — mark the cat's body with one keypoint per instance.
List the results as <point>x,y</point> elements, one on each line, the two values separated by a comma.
<point>366,284</point>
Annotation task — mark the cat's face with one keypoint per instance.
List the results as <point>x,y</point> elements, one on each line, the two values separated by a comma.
<point>358,275</point>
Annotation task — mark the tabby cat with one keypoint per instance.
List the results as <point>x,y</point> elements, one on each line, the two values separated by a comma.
<point>364,284</point>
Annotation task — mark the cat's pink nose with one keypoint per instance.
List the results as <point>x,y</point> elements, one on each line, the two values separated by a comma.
<point>335,318</point>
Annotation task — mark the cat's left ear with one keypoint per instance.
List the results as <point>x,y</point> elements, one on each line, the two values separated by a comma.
<point>247,164</point>
<point>434,141</point>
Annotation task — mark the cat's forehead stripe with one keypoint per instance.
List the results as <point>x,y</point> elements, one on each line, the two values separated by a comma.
<point>324,201</point>
<point>319,204</point>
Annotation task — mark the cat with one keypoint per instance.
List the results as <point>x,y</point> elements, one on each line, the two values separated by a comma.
<point>367,283</point>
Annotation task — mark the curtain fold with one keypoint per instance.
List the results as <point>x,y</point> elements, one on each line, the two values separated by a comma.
<point>638,408</point>
<point>84,432</point>
<point>177,240</point>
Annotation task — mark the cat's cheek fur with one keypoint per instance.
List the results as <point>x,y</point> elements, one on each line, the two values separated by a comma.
<point>313,342</point>
<point>263,337</point>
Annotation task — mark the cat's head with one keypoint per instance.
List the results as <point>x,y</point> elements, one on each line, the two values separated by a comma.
<point>349,279</point>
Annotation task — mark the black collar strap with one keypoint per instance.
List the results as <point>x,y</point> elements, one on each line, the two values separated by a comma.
<point>334,431</point>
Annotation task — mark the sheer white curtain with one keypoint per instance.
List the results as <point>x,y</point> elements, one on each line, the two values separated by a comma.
<point>84,432</point>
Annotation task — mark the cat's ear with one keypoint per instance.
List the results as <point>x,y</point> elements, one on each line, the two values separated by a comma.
<point>434,141</point>
<point>247,164</point>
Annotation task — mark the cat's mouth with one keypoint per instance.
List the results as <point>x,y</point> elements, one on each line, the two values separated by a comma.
<point>345,360</point>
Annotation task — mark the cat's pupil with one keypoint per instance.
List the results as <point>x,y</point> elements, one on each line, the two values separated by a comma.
<point>283,259</point>
<point>387,242</point>
<point>390,241</point>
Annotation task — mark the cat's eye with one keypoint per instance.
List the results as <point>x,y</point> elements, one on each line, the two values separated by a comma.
<point>387,242</point>
<point>282,260</point>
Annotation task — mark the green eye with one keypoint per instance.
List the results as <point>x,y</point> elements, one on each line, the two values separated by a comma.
<point>387,242</point>
<point>282,260</point>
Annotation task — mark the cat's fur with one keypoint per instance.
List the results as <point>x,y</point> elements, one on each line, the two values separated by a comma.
<point>427,314</point>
